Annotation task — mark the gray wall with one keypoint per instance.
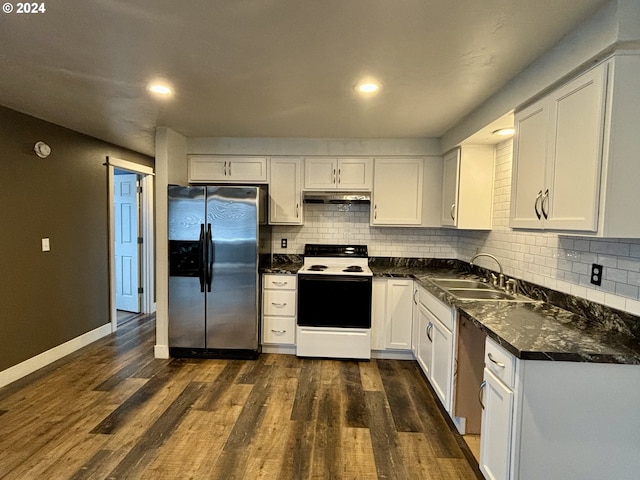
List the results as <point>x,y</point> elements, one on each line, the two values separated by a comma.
<point>48,298</point>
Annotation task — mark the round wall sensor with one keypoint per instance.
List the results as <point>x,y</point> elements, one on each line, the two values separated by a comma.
<point>42,149</point>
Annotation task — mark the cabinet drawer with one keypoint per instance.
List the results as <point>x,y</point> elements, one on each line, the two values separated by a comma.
<point>280,330</point>
<point>443,312</point>
<point>280,282</point>
<point>500,362</point>
<point>279,302</point>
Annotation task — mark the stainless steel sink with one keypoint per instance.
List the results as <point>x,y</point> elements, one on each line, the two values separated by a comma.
<point>468,289</point>
<point>448,283</point>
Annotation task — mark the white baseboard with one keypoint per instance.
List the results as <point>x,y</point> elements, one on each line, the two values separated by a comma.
<point>393,354</point>
<point>161,351</point>
<point>284,349</point>
<point>461,424</point>
<point>23,369</point>
<point>384,354</point>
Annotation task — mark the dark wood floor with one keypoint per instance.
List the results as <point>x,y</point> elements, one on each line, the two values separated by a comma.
<point>112,411</point>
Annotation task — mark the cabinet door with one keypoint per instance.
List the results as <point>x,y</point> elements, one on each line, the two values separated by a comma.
<point>399,314</point>
<point>450,177</point>
<point>214,168</point>
<point>378,314</point>
<point>497,423</point>
<point>570,199</point>
<point>397,191</point>
<point>415,327</point>
<point>529,160</point>
<point>355,174</point>
<point>285,192</point>
<point>207,168</point>
<point>425,344</point>
<point>247,169</point>
<point>442,362</point>
<point>320,173</point>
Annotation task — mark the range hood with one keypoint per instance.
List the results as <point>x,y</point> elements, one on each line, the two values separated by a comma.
<point>337,197</point>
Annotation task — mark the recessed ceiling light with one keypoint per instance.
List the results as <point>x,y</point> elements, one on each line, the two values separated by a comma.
<point>161,89</point>
<point>368,87</point>
<point>504,131</point>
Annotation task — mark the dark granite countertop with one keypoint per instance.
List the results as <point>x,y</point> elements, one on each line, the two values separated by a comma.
<point>282,268</point>
<point>532,331</point>
<point>283,264</point>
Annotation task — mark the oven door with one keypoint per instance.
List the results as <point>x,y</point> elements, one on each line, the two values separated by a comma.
<point>341,301</point>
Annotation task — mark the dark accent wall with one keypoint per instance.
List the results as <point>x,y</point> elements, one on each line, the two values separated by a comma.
<point>48,298</point>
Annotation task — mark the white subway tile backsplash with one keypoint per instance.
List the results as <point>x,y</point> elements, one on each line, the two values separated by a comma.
<point>629,264</point>
<point>614,301</point>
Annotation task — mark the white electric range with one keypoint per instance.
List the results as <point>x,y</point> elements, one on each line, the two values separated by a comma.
<point>334,302</point>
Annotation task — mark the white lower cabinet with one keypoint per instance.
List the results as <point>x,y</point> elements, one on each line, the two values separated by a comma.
<point>392,314</point>
<point>436,345</point>
<point>424,343</point>
<point>279,309</point>
<point>442,362</point>
<point>558,420</point>
<point>399,314</point>
<point>497,413</point>
<point>497,423</point>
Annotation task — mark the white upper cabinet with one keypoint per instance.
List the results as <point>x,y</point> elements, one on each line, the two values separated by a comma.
<point>397,191</point>
<point>528,175</point>
<point>557,157</point>
<point>338,173</point>
<point>467,187</point>
<point>285,191</point>
<point>216,168</point>
<point>575,164</point>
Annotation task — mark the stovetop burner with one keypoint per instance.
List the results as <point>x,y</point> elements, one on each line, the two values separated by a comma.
<point>317,268</point>
<point>353,268</point>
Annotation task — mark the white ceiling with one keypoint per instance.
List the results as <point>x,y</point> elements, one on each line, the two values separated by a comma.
<point>271,68</point>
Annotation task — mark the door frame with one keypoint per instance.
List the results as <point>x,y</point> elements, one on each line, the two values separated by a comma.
<point>147,254</point>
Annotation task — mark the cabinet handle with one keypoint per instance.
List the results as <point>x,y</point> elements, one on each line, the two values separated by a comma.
<point>278,304</point>
<point>229,168</point>
<point>375,211</point>
<point>429,327</point>
<point>545,197</point>
<point>279,284</point>
<point>453,207</point>
<point>339,180</point>
<point>278,331</point>
<point>297,210</point>
<point>225,168</point>
<point>535,204</point>
<point>500,364</point>
<point>415,293</point>
<point>481,393</point>
<point>334,175</point>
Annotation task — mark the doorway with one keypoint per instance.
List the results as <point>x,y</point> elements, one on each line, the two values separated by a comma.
<point>127,242</point>
<point>132,285</point>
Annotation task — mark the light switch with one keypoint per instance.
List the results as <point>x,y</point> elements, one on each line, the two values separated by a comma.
<point>45,245</point>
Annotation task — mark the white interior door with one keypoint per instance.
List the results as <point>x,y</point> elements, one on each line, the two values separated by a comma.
<point>126,242</point>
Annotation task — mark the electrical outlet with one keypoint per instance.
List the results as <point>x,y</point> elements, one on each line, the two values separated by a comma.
<point>596,274</point>
<point>283,243</point>
<point>46,246</point>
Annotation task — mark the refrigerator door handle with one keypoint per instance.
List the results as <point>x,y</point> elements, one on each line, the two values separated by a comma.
<point>202,259</point>
<point>209,257</point>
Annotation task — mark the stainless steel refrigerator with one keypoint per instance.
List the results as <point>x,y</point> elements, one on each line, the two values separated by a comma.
<point>214,257</point>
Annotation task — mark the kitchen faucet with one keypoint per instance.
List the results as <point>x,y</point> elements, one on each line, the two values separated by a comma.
<point>500,277</point>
